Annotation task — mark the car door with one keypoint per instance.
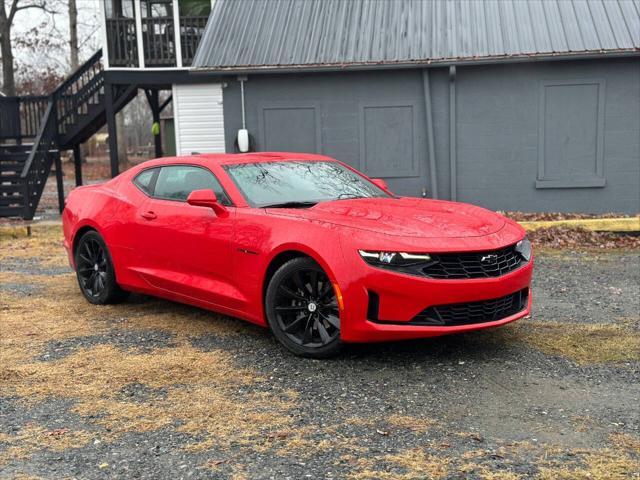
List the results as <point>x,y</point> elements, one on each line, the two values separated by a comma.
<point>186,249</point>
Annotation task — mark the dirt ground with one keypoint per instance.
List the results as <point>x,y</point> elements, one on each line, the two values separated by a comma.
<point>152,389</point>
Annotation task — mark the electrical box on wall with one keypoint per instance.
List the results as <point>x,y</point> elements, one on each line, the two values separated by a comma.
<point>243,140</point>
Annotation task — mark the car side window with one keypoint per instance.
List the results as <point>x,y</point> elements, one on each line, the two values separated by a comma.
<point>145,179</point>
<point>176,182</point>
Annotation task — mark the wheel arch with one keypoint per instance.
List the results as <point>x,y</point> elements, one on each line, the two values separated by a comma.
<point>79,233</point>
<point>288,252</point>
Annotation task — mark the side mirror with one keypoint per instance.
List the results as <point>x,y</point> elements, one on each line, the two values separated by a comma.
<point>380,183</point>
<point>206,198</point>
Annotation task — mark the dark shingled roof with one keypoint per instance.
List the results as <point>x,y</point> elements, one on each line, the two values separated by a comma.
<point>292,34</point>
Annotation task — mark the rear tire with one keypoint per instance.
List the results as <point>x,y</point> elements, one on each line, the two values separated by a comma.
<point>95,272</point>
<point>302,309</point>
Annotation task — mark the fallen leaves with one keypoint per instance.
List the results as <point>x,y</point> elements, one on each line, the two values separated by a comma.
<point>553,216</point>
<point>571,237</point>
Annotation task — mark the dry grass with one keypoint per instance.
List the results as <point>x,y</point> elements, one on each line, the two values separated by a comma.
<point>552,464</point>
<point>57,311</point>
<point>411,464</point>
<point>581,343</point>
<point>625,442</point>
<point>416,424</point>
<point>35,437</point>
<point>222,406</point>
<point>205,393</point>
<point>584,344</point>
<point>587,465</point>
<point>45,243</point>
<point>201,392</point>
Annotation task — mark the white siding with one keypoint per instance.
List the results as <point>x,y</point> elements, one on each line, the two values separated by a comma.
<point>198,117</point>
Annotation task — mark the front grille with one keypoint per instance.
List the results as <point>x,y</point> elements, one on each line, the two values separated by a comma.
<point>474,265</point>
<point>473,312</point>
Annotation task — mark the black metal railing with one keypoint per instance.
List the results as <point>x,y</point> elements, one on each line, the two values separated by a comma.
<point>20,116</point>
<point>10,117</point>
<point>158,40</point>
<point>79,92</point>
<point>191,31</point>
<point>46,120</point>
<point>38,165</point>
<point>31,112</point>
<point>122,43</point>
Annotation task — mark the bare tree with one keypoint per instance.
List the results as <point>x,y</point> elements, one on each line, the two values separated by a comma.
<point>74,47</point>
<point>122,140</point>
<point>8,11</point>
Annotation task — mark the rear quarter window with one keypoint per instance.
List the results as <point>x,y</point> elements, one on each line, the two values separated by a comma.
<point>145,180</point>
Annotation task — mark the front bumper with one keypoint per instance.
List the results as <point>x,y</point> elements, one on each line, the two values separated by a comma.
<point>402,297</point>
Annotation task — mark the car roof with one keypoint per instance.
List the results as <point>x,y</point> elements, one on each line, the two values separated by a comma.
<point>207,159</point>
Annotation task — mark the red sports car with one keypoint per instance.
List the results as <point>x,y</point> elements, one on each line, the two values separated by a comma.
<point>303,244</point>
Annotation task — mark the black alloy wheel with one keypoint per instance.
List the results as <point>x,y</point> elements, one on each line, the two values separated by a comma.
<point>94,269</point>
<point>302,309</point>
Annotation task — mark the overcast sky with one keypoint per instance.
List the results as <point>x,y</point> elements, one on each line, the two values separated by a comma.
<point>58,25</point>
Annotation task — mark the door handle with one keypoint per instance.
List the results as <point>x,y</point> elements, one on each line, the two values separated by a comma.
<point>149,215</point>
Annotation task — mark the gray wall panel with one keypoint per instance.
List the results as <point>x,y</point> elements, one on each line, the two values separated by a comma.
<point>277,121</point>
<point>341,101</point>
<point>498,136</point>
<point>497,129</point>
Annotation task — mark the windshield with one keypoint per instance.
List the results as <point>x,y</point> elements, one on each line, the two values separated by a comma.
<point>299,183</point>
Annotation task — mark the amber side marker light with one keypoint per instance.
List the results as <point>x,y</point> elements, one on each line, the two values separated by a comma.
<point>338,297</point>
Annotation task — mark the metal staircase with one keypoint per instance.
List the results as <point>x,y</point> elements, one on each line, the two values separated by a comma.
<point>35,129</point>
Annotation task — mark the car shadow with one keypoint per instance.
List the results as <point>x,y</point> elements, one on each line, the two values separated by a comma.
<point>495,343</point>
<point>480,345</point>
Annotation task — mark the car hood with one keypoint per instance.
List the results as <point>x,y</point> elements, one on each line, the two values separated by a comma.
<point>404,217</point>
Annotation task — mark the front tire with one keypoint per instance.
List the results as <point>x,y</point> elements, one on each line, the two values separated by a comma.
<point>302,309</point>
<point>95,271</point>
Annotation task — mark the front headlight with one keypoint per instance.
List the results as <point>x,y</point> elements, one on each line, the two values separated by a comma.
<point>523,247</point>
<point>393,259</point>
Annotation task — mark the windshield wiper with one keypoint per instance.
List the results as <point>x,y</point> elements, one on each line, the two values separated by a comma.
<point>290,205</point>
<point>344,196</point>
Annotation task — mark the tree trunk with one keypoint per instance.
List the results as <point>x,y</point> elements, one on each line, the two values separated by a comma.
<point>73,36</point>
<point>8,79</point>
<point>122,140</point>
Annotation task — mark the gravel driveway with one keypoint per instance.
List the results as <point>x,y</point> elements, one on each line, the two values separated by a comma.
<point>151,389</point>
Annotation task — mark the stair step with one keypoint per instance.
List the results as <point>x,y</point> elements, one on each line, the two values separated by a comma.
<point>14,194</point>
<point>8,201</point>
<point>10,148</point>
<point>11,167</point>
<point>14,156</point>
<point>10,178</point>
<point>10,187</point>
<point>11,211</point>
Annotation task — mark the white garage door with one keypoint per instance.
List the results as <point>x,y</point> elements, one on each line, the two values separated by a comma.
<point>198,117</point>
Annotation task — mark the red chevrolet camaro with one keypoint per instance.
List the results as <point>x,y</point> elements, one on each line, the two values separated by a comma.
<point>303,244</point>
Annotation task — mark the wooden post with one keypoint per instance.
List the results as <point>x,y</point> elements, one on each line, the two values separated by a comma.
<point>153,98</point>
<point>60,185</point>
<point>111,128</point>
<point>77,161</point>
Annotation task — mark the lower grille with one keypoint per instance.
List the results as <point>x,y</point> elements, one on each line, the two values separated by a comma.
<point>473,312</point>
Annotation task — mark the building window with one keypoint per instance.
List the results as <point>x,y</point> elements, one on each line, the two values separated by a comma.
<point>571,134</point>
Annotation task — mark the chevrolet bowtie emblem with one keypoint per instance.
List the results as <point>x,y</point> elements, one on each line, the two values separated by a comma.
<point>489,259</point>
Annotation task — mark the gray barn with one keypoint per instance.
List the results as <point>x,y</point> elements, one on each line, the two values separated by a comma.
<point>513,105</point>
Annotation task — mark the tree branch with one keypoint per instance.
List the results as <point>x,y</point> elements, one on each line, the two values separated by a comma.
<point>17,5</point>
